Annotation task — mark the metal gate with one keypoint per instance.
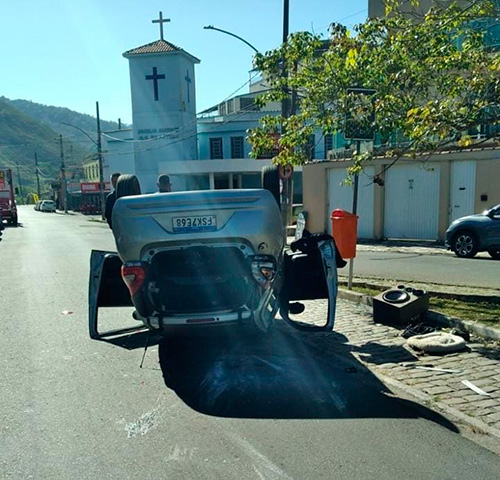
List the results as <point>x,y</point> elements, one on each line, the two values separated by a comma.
<point>412,201</point>
<point>340,196</point>
<point>463,186</point>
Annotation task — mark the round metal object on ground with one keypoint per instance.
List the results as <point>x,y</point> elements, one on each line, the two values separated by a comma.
<point>396,296</point>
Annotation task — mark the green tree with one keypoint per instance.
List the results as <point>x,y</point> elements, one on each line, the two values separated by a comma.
<point>433,73</point>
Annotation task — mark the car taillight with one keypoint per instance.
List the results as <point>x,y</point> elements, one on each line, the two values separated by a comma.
<point>263,269</point>
<point>134,274</point>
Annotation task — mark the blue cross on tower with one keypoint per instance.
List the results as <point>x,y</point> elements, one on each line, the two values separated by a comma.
<point>155,77</point>
<point>188,81</point>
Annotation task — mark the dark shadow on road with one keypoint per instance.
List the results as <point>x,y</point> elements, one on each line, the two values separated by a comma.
<point>278,377</point>
<point>379,354</point>
<point>493,353</point>
<point>8,226</point>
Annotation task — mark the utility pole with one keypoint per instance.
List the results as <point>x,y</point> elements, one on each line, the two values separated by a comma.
<point>63,178</point>
<point>19,181</point>
<point>37,177</point>
<point>354,212</point>
<point>285,111</point>
<point>287,194</point>
<point>99,157</point>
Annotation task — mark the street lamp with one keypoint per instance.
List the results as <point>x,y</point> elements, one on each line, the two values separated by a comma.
<point>211,27</point>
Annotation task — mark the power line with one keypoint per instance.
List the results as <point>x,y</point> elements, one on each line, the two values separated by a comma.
<point>157,147</point>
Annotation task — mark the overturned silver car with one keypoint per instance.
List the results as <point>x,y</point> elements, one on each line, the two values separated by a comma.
<point>208,258</point>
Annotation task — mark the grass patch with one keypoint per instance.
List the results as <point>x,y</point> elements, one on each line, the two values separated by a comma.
<point>484,312</point>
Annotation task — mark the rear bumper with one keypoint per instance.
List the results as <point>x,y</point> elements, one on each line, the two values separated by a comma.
<point>262,315</point>
<point>217,319</point>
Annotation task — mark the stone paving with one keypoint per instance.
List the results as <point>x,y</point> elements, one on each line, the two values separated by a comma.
<point>383,350</point>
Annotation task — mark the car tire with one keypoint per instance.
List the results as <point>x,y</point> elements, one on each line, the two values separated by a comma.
<point>465,244</point>
<point>271,181</point>
<point>495,254</point>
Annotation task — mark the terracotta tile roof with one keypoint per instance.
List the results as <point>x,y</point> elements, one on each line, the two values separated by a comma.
<point>157,47</point>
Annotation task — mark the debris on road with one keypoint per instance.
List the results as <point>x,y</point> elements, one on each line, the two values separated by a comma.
<point>437,342</point>
<point>412,330</point>
<point>435,369</point>
<point>475,388</point>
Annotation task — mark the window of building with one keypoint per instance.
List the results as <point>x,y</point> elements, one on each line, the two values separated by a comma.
<point>216,148</point>
<point>230,106</point>
<point>237,149</point>
<point>328,143</point>
<point>248,104</point>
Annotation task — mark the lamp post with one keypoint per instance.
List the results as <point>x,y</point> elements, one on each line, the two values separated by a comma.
<point>211,27</point>
<point>287,195</point>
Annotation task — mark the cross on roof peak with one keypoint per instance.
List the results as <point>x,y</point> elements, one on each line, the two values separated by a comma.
<point>161,21</point>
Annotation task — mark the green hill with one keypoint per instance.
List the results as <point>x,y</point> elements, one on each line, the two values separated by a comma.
<point>21,136</point>
<point>56,117</point>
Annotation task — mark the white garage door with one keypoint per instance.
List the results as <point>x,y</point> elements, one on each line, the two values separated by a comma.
<point>412,202</point>
<point>340,196</point>
<point>463,182</point>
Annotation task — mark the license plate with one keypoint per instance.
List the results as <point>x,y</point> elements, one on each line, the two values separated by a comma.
<point>194,223</point>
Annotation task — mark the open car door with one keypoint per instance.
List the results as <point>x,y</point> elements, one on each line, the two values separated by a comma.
<point>310,273</point>
<point>106,289</point>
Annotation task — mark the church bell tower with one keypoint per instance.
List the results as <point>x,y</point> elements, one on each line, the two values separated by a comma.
<point>162,80</point>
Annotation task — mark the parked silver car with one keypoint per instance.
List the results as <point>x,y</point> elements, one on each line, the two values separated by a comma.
<point>48,206</point>
<point>476,233</point>
<point>207,258</point>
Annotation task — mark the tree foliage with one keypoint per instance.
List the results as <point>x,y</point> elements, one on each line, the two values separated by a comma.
<point>434,77</point>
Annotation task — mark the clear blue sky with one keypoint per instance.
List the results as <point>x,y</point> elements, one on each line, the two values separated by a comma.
<point>69,52</point>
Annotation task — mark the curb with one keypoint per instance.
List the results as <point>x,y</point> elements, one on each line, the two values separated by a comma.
<point>466,297</point>
<point>432,316</point>
<point>443,407</point>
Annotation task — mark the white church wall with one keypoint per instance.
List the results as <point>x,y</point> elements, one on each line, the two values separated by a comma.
<point>164,117</point>
<point>118,152</point>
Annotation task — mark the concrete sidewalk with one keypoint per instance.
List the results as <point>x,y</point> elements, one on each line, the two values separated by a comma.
<point>382,349</point>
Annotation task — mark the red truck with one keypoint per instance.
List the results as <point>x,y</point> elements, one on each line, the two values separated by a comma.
<point>8,209</point>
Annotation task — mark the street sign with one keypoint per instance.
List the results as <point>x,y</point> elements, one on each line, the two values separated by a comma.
<point>360,114</point>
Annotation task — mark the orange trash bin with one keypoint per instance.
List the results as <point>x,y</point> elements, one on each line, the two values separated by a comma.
<point>345,232</point>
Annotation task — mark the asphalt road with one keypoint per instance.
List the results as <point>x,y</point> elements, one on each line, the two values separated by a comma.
<point>73,408</point>
<point>481,271</point>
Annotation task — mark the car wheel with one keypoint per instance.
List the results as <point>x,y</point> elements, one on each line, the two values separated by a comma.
<point>495,254</point>
<point>271,181</point>
<point>465,245</point>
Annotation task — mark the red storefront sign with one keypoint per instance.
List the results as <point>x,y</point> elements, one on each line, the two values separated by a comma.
<point>93,187</point>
